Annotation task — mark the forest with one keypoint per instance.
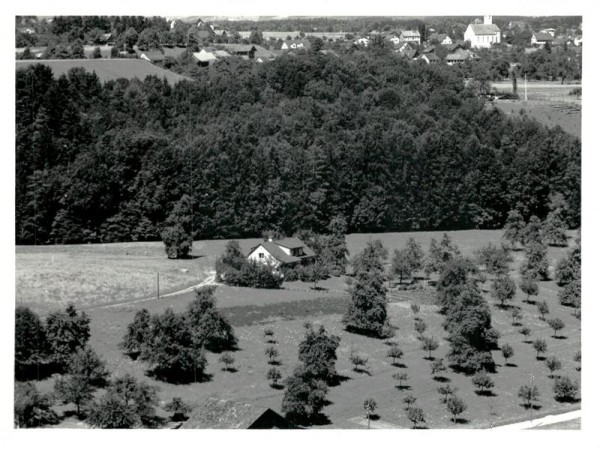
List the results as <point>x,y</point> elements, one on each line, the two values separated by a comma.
<point>284,145</point>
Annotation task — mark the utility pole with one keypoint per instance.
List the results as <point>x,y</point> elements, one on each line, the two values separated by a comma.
<point>157,285</point>
<point>525,87</point>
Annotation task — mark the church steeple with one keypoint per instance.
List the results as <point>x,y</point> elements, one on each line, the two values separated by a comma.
<point>487,20</point>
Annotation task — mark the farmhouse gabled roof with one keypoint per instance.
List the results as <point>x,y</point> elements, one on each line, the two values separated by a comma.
<point>543,37</point>
<point>238,48</point>
<point>410,33</point>
<point>290,242</point>
<point>204,56</point>
<point>277,253</point>
<point>153,55</point>
<point>221,414</point>
<point>484,29</point>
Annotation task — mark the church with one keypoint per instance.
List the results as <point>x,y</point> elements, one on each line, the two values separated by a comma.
<point>483,35</point>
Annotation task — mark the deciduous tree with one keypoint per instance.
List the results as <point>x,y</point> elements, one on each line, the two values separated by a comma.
<point>455,406</point>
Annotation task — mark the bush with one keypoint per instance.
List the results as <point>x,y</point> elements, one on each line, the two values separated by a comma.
<point>178,243</point>
<point>31,346</point>
<point>138,334</point>
<point>565,390</point>
<point>455,406</point>
<point>304,397</point>
<point>31,408</point>
<point>66,332</point>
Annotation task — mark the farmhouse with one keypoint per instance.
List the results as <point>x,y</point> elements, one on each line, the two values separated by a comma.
<point>483,35</point>
<point>221,414</point>
<point>286,252</point>
<point>429,58</point>
<point>411,36</point>
<point>245,51</point>
<point>441,38</point>
<point>153,56</point>
<point>540,39</point>
<point>460,56</point>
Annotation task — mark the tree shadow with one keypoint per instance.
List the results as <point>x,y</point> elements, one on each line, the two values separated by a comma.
<point>191,256</point>
<point>337,380</point>
<point>277,387</point>
<point>178,378</point>
<point>320,419</point>
<point>272,341</point>
<point>399,365</point>
<point>512,365</point>
<point>420,427</point>
<point>274,362</point>
<point>531,406</point>
<point>319,289</point>
<point>442,379</point>
<point>567,400</point>
<point>517,324</point>
<point>362,371</point>
<point>230,369</point>
<point>154,422</point>
<point>540,358</point>
<point>559,337</point>
<point>403,387</point>
<point>375,417</point>
<point>461,421</point>
<point>485,393</point>
<point>429,358</point>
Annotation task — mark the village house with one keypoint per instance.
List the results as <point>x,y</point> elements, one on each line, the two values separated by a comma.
<point>152,56</point>
<point>460,56</point>
<point>429,58</point>
<point>540,39</point>
<point>440,38</point>
<point>244,51</point>
<point>410,36</point>
<point>364,41</point>
<point>483,35</point>
<point>286,252</point>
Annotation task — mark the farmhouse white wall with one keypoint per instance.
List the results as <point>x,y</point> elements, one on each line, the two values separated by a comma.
<point>268,258</point>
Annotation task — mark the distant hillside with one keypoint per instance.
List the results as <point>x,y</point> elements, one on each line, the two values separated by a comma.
<point>107,69</point>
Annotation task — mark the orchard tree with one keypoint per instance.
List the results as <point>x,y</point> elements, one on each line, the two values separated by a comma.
<point>420,327</point>
<point>367,311</point>
<point>87,364</point>
<point>532,234</point>
<point>272,353</point>
<point>318,353</point>
<point>513,229</point>
<point>304,396</point>
<point>577,358</point>
<point>31,346</point>
<point>543,309</point>
<point>535,265</point>
<point>358,360</point>
<point>273,376</point>
<point>516,315</point>
<point>74,389</point>
<point>179,409</point>
<point>540,347</point>
<point>503,289</point>
<point>177,230</point>
<point>565,389</point>
<point>437,366</point>
<point>526,332</point>
<point>553,364</point>
<point>482,381</point>
<point>31,408</point>
<point>495,260</point>
<point>401,266</point>
<point>415,309</point>
<point>447,390</point>
<point>401,378</point>
<point>529,286</point>
<point>409,400</point>
<point>507,352</point>
<point>556,324</point>
<point>554,229</point>
<point>570,295</point>
<point>138,334</point>
<point>208,327</point>
<point>416,416</point>
<point>66,332</point>
<point>455,406</point>
<point>529,393</point>
<point>568,268</point>
<point>429,344</point>
<point>395,353</point>
<point>370,406</point>
<point>228,360</point>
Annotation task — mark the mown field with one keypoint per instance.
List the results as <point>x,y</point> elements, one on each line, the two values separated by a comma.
<point>250,311</point>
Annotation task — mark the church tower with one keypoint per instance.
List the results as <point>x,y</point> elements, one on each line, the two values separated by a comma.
<point>487,20</point>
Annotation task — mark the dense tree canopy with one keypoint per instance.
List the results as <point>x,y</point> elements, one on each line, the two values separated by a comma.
<point>291,144</point>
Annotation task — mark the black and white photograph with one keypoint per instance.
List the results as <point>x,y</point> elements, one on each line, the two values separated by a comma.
<point>309,221</point>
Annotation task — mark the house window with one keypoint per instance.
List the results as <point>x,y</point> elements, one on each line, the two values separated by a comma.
<point>261,255</point>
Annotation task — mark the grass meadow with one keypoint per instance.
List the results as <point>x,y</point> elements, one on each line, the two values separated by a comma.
<point>251,310</point>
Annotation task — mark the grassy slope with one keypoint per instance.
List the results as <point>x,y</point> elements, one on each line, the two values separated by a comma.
<point>286,311</point>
